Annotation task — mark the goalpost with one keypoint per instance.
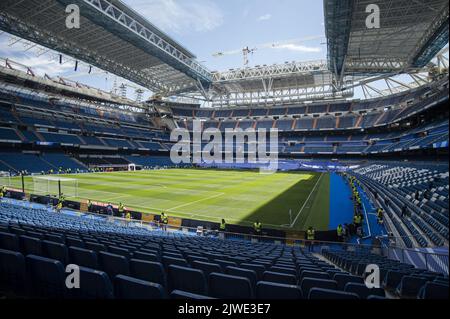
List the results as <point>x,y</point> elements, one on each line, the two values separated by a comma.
<point>53,185</point>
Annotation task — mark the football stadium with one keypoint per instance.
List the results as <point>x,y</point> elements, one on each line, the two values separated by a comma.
<point>130,170</point>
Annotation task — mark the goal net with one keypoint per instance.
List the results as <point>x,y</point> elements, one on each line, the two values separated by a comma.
<point>52,185</point>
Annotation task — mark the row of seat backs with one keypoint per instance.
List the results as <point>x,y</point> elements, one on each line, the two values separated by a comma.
<point>41,277</point>
<point>47,278</point>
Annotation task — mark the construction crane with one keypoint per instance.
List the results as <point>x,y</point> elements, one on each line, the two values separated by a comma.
<point>246,51</point>
<point>123,90</point>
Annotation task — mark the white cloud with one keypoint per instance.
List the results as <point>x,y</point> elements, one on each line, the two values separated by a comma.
<point>298,48</point>
<point>265,17</point>
<point>39,64</point>
<point>180,16</point>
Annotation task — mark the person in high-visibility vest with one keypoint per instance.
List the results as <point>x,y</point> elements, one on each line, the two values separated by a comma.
<point>164,220</point>
<point>89,206</point>
<point>357,220</point>
<point>340,232</point>
<point>257,227</point>
<point>121,210</point>
<point>128,216</point>
<point>223,225</point>
<point>59,206</point>
<point>380,216</point>
<point>310,236</point>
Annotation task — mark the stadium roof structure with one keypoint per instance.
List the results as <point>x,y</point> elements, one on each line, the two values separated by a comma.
<point>288,82</point>
<point>112,37</point>
<point>115,38</point>
<point>411,33</point>
<point>15,73</point>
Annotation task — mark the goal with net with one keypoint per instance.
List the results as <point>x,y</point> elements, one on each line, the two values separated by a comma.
<point>53,185</point>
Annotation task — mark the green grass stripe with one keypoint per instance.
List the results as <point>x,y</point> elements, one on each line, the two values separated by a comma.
<point>241,197</point>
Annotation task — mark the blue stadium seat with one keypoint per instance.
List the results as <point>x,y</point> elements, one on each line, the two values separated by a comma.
<point>329,294</point>
<point>183,295</point>
<point>272,291</point>
<point>74,242</point>
<point>31,232</point>
<point>259,269</point>
<point>343,279</point>
<point>113,264</point>
<point>31,245</point>
<point>145,256</point>
<point>410,286</point>
<point>131,288</point>
<point>314,274</point>
<point>192,258</point>
<point>97,247</point>
<point>393,279</point>
<point>119,251</point>
<point>229,287</point>
<point>83,257</point>
<point>240,272</point>
<point>148,271</point>
<point>207,268</point>
<point>94,284</point>
<point>279,278</point>
<point>225,263</point>
<point>308,283</point>
<point>187,279</point>
<point>12,271</point>
<point>17,231</point>
<point>432,290</point>
<point>9,241</point>
<point>333,272</point>
<point>284,270</point>
<point>47,277</point>
<point>171,254</point>
<point>167,261</point>
<point>56,251</point>
<point>55,238</point>
<point>150,252</point>
<point>362,291</point>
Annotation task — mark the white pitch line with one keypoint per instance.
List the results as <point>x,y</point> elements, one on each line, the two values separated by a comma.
<point>150,208</point>
<point>197,201</point>
<point>306,201</point>
<point>116,197</point>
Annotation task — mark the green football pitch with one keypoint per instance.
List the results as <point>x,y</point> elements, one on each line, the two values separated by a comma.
<point>288,201</point>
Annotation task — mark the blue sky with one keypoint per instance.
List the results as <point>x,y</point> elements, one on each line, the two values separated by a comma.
<point>206,27</point>
<point>209,26</point>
